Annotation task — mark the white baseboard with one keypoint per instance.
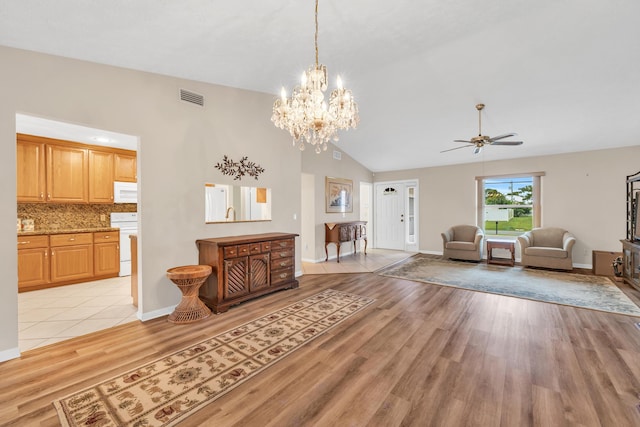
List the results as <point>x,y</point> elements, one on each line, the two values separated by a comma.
<point>12,353</point>
<point>156,313</point>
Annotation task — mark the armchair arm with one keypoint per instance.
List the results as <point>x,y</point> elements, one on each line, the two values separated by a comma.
<point>568,241</point>
<point>479,236</point>
<point>524,241</point>
<point>447,236</point>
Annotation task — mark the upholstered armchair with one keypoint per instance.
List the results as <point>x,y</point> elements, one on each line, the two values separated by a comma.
<point>548,247</point>
<point>463,242</point>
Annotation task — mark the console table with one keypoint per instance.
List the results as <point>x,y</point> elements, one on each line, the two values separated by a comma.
<point>246,267</point>
<point>339,232</point>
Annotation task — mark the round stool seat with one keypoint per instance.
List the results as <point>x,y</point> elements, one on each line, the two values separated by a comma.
<point>189,272</point>
<point>188,279</point>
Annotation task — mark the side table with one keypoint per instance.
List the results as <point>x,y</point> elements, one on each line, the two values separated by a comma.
<point>509,245</point>
<point>188,279</point>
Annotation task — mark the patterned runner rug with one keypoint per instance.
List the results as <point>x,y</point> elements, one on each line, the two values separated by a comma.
<point>578,290</point>
<point>165,391</point>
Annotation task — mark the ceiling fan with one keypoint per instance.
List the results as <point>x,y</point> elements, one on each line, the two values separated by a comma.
<point>481,140</point>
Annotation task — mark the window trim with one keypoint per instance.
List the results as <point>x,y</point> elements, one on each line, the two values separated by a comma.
<point>536,199</point>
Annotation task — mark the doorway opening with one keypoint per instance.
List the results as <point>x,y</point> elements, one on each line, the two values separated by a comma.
<point>55,313</point>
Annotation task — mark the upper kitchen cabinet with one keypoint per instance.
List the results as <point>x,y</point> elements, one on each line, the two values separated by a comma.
<point>67,174</point>
<point>30,166</point>
<point>58,171</point>
<point>125,168</point>
<point>100,177</point>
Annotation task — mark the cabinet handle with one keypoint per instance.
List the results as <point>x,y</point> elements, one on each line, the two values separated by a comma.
<point>72,239</point>
<point>41,195</point>
<point>283,264</point>
<point>46,253</point>
<point>53,253</point>
<point>283,254</point>
<point>283,244</point>
<point>118,247</point>
<point>24,243</point>
<point>283,275</point>
<point>48,196</point>
<point>107,237</point>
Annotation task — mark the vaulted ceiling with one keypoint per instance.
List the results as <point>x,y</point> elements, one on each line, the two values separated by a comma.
<point>563,74</point>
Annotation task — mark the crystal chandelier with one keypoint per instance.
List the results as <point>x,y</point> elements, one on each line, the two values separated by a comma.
<point>306,114</point>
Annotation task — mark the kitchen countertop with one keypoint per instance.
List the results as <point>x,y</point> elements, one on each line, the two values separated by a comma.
<point>66,231</point>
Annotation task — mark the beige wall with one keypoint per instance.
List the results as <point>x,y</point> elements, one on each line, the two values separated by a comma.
<point>582,192</point>
<point>179,145</point>
<point>320,166</point>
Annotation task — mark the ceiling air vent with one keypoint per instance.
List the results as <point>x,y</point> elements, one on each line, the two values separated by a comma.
<point>191,97</point>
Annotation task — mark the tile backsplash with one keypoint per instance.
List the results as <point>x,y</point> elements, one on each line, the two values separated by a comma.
<point>59,216</point>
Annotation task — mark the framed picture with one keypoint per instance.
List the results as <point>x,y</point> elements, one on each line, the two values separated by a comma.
<point>338,195</point>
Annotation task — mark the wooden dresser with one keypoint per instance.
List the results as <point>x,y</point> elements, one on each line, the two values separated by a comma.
<point>245,267</point>
<point>339,232</point>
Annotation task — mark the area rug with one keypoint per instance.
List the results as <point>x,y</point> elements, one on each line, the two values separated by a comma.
<point>166,391</point>
<point>578,290</point>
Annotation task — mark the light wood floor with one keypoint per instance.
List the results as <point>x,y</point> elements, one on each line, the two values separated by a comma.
<point>420,355</point>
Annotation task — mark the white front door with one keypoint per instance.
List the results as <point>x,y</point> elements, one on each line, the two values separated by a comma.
<point>390,225</point>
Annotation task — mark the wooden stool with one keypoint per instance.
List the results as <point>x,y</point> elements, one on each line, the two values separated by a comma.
<point>188,279</point>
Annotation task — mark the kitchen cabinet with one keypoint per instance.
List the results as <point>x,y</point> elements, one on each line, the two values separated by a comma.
<point>33,262</point>
<point>125,168</point>
<point>106,253</point>
<point>59,259</point>
<point>57,171</point>
<point>67,174</point>
<point>30,165</point>
<point>71,256</point>
<point>245,267</point>
<point>100,176</point>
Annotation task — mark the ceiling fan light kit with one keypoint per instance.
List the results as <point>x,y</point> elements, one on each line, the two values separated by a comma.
<point>478,142</point>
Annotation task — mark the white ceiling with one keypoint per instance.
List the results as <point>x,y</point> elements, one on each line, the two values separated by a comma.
<point>563,74</point>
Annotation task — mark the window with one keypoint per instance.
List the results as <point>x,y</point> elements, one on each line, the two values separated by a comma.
<point>509,205</point>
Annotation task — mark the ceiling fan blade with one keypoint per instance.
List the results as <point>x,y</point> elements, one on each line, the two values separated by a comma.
<point>507,143</point>
<point>462,140</point>
<point>457,148</point>
<point>503,136</point>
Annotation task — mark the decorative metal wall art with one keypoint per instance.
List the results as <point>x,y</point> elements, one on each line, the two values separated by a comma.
<point>239,169</point>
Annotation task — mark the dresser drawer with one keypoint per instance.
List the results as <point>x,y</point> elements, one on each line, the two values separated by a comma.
<point>71,239</point>
<point>282,244</point>
<point>243,250</point>
<point>278,263</point>
<point>230,251</point>
<point>266,246</point>
<point>106,236</point>
<point>281,253</point>
<point>30,242</point>
<point>255,248</point>
<point>281,276</point>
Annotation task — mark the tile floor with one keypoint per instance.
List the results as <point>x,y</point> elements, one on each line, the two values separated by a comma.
<point>50,315</point>
<point>356,263</point>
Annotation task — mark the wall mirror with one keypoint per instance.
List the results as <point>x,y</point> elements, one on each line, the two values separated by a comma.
<point>234,203</point>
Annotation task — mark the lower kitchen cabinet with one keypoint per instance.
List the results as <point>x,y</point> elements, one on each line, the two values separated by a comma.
<point>33,262</point>
<point>52,260</point>
<point>106,253</point>
<point>71,256</point>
